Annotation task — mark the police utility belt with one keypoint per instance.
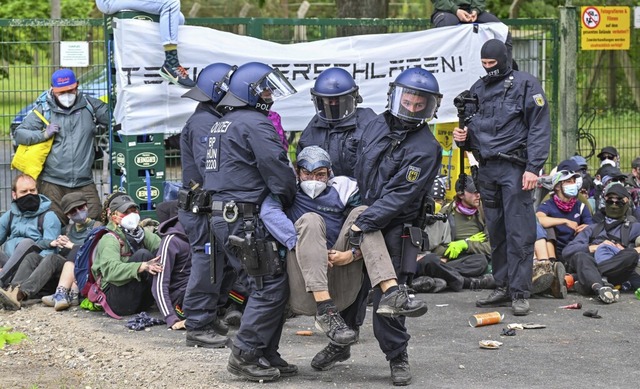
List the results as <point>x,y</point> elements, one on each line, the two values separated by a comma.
<point>199,201</point>
<point>518,157</point>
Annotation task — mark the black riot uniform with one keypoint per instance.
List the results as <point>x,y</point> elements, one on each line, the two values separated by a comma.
<point>395,170</point>
<point>511,133</point>
<point>245,162</point>
<point>339,139</point>
<point>202,297</point>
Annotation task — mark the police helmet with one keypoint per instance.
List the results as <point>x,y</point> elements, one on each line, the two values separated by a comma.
<point>414,96</point>
<point>254,82</point>
<point>312,158</point>
<point>212,84</point>
<point>335,95</point>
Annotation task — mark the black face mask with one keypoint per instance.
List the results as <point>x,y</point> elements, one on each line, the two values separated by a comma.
<point>495,49</point>
<point>30,202</point>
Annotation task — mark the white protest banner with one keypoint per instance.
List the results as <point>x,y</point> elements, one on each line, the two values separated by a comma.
<point>148,104</point>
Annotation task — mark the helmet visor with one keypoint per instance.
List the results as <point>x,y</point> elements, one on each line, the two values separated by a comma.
<point>412,104</point>
<point>335,108</point>
<point>273,86</point>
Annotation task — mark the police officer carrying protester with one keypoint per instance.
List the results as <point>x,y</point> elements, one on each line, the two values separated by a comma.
<point>201,301</point>
<point>511,135</point>
<point>338,124</point>
<point>397,164</point>
<point>245,162</point>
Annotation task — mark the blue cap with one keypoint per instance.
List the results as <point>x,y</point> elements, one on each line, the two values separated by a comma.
<point>579,159</point>
<point>63,80</point>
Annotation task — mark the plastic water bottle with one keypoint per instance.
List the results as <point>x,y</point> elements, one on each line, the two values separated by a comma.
<point>638,293</point>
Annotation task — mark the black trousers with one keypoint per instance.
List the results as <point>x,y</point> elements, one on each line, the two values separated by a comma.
<point>134,296</point>
<point>454,271</point>
<point>617,269</point>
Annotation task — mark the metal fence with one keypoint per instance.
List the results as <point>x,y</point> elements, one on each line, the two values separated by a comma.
<point>27,55</point>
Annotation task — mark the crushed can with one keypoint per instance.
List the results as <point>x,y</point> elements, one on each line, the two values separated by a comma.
<point>485,319</point>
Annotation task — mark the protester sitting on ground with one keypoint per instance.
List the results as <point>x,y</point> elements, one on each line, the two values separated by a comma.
<point>321,260</point>
<point>125,259</point>
<point>170,19</point>
<point>563,212</point>
<point>170,285</point>
<point>459,261</point>
<point>74,206</point>
<point>604,176</point>
<point>71,117</point>
<point>28,226</point>
<point>548,274</point>
<point>606,253</point>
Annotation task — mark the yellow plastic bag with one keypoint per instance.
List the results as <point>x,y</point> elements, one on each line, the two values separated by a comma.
<point>29,159</point>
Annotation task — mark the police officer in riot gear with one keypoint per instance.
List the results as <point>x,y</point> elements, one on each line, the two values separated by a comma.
<point>245,162</point>
<point>338,124</point>
<point>510,134</point>
<point>202,297</point>
<point>397,163</point>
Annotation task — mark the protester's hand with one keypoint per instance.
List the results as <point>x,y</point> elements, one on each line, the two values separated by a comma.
<point>571,224</point>
<point>473,15</point>
<point>581,227</point>
<point>51,130</point>
<point>529,181</point>
<point>460,135</point>
<point>178,325</point>
<point>455,248</point>
<point>339,258</point>
<point>463,16</point>
<point>153,267</point>
<point>478,237</point>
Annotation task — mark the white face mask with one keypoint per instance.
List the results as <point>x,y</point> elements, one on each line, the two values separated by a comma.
<point>66,99</point>
<point>130,222</point>
<point>313,188</point>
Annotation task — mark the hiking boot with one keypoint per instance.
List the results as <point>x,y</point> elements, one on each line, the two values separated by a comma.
<point>286,369</point>
<point>49,301</point>
<point>176,75</point>
<point>423,284</point>
<point>206,337</point>
<point>328,356</point>
<point>558,286</point>
<point>520,307</point>
<point>498,298</point>
<point>11,298</point>
<point>485,282</point>
<point>400,303</point>
<point>61,301</point>
<point>606,295</point>
<point>251,367</point>
<point>233,316</point>
<point>400,369</point>
<point>333,325</point>
<point>542,276</point>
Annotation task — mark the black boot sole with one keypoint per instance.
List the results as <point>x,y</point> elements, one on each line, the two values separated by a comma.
<point>332,363</point>
<point>197,343</point>
<point>241,373</point>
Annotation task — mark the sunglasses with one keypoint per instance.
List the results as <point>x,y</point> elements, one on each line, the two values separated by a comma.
<point>618,202</point>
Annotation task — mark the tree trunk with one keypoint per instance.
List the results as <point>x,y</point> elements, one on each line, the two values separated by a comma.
<point>361,9</point>
<point>514,9</point>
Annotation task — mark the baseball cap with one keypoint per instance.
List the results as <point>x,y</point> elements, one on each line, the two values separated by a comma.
<point>563,175</point>
<point>71,201</point>
<point>580,160</point>
<point>608,150</point>
<point>617,189</point>
<point>121,204</point>
<point>63,80</point>
<point>469,186</point>
<point>569,165</point>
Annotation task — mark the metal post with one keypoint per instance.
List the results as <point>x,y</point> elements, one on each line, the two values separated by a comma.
<point>568,91</point>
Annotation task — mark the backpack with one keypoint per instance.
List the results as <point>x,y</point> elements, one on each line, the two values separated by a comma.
<point>90,286</point>
<point>40,221</point>
<point>624,233</point>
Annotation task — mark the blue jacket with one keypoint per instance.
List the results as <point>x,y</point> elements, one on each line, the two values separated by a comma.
<point>395,170</point>
<point>70,161</point>
<point>245,160</point>
<point>193,143</point>
<point>513,111</point>
<point>340,140</point>
<point>580,244</point>
<point>25,225</point>
<point>340,195</point>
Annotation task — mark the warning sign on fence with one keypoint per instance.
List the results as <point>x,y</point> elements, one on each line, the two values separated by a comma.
<point>605,28</point>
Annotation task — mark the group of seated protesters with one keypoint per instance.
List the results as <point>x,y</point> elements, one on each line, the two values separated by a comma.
<point>587,242</point>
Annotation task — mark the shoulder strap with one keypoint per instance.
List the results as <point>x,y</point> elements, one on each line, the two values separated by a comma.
<point>9,224</point>
<point>624,233</point>
<point>90,108</point>
<point>596,230</point>
<point>41,222</point>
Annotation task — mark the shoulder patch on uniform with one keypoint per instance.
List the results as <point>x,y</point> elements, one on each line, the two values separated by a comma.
<point>413,173</point>
<point>539,100</point>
